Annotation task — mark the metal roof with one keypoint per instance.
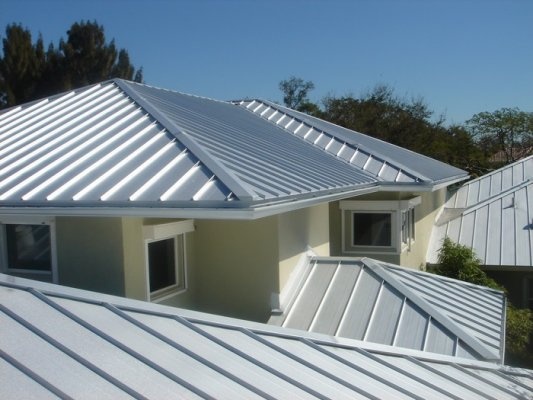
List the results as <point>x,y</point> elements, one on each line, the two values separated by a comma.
<point>493,215</point>
<point>121,144</point>
<point>385,161</point>
<point>369,300</point>
<point>125,146</point>
<point>68,343</point>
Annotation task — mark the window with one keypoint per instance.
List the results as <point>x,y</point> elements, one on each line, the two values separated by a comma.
<point>372,229</point>
<point>165,258</point>
<point>408,227</point>
<point>378,226</point>
<point>27,247</point>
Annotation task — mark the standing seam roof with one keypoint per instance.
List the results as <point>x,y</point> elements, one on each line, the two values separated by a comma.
<point>124,144</point>
<point>372,301</point>
<point>493,215</point>
<point>383,160</point>
<point>110,347</point>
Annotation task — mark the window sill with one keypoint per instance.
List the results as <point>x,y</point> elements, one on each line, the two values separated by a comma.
<point>166,294</point>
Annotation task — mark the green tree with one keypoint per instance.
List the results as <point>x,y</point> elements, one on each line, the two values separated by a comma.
<point>28,72</point>
<point>20,66</point>
<point>406,123</point>
<point>508,130</point>
<point>460,262</point>
<point>295,91</point>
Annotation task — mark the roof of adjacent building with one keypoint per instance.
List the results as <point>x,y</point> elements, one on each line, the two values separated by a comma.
<point>123,145</point>
<point>493,215</point>
<point>364,299</point>
<point>68,343</point>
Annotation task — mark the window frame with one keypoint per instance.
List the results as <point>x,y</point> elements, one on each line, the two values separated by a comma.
<point>28,220</point>
<point>158,232</point>
<point>395,208</point>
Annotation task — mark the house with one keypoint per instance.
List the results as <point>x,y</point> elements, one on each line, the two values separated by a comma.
<point>493,215</point>
<point>376,302</point>
<point>111,347</point>
<point>136,191</point>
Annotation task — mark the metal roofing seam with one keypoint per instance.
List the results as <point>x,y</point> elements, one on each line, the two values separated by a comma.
<point>186,351</point>
<point>307,120</point>
<point>94,368</point>
<point>118,344</point>
<point>284,154</point>
<point>306,363</point>
<point>240,353</point>
<point>415,298</point>
<point>242,191</point>
<point>31,374</point>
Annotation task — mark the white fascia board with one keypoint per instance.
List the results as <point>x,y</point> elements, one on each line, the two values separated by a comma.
<point>236,213</point>
<point>421,186</point>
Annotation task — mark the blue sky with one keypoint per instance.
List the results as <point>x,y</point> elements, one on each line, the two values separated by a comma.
<point>462,57</point>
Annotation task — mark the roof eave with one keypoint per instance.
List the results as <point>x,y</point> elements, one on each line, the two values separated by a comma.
<point>235,210</point>
<point>426,186</point>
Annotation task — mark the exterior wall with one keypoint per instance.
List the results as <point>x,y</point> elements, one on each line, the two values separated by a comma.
<point>298,231</point>
<point>135,269</point>
<point>425,214</point>
<point>89,253</point>
<point>235,266</point>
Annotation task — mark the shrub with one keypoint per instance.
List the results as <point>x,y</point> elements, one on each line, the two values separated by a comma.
<point>460,262</point>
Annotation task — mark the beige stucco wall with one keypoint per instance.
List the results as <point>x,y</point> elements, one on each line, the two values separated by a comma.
<point>299,230</point>
<point>425,214</point>
<point>235,266</point>
<point>135,270</point>
<point>89,253</point>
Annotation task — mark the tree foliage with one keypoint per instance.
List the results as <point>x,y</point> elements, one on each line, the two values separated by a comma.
<point>460,262</point>
<point>507,130</point>
<point>407,123</point>
<point>295,91</point>
<point>28,72</point>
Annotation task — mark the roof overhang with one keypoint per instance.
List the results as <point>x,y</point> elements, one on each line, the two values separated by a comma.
<point>236,210</point>
<point>421,186</point>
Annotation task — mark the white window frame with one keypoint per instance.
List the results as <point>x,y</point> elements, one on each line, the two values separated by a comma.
<point>158,232</point>
<point>29,220</point>
<point>394,208</point>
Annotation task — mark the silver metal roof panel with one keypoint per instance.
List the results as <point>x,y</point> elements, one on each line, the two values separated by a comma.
<point>63,342</point>
<point>493,215</point>
<point>367,153</point>
<point>124,145</point>
<point>382,303</point>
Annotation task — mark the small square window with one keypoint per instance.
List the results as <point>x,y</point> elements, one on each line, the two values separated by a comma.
<point>28,247</point>
<point>372,229</point>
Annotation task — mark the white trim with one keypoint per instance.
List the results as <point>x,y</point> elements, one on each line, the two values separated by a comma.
<point>392,207</point>
<point>175,231</point>
<point>280,301</point>
<point>163,231</point>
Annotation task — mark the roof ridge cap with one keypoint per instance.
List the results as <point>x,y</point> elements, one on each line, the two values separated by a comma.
<point>474,343</point>
<point>239,188</point>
